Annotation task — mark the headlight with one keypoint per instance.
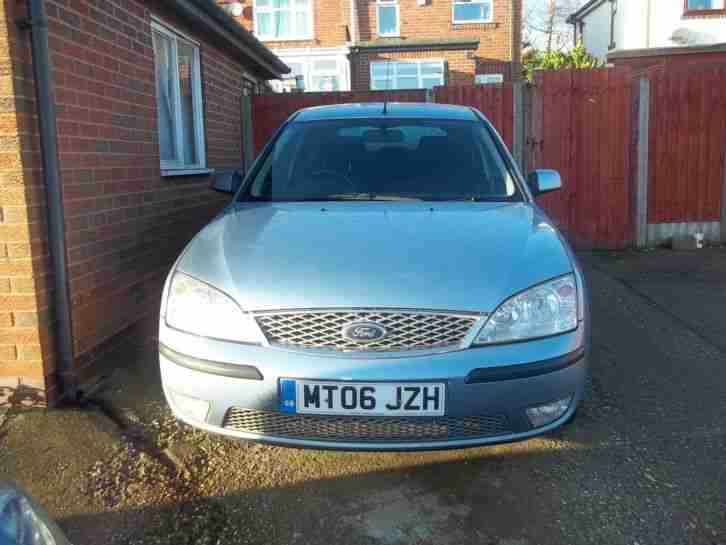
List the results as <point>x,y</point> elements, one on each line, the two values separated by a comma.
<point>198,308</point>
<point>546,309</point>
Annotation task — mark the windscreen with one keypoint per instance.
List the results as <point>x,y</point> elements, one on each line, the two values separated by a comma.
<point>384,159</point>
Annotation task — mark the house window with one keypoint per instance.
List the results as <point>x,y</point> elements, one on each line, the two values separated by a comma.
<point>406,74</point>
<point>283,19</point>
<point>317,73</point>
<point>324,75</point>
<point>705,7</point>
<point>701,5</point>
<point>179,110</point>
<point>387,15</point>
<point>472,11</point>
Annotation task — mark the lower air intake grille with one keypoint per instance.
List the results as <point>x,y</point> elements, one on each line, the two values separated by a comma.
<point>364,428</point>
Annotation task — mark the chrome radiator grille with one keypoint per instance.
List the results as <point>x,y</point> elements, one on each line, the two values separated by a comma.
<point>406,330</point>
<point>364,428</point>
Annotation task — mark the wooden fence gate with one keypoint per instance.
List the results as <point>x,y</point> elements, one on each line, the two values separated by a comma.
<point>581,125</point>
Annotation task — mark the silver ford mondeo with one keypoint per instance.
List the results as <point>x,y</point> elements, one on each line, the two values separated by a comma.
<point>384,280</point>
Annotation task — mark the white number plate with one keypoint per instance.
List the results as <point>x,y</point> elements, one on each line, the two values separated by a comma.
<point>362,398</point>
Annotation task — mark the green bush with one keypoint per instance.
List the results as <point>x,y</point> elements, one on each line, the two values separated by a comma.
<point>577,58</point>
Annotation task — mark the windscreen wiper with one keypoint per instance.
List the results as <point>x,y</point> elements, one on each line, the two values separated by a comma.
<point>372,197</point>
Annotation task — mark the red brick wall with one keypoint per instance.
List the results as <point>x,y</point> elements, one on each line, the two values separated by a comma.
<point>24,262</point>
<point>125,223</point>
<point>461,66</point>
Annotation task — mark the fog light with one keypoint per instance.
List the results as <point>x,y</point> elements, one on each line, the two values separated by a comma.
<point>192,408</point>
<point>545,414</point>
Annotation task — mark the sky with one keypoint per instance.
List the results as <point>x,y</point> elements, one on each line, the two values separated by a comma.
<point>534,16</point>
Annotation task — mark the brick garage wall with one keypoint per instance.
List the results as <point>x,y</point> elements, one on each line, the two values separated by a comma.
<point>499,41</point>
<point>125,223</point>
<point>25,344</point>
<point>461,65</point>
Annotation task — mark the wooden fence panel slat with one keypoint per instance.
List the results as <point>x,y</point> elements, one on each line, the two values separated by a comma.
<point>687,143</point>
<point>496,102</point>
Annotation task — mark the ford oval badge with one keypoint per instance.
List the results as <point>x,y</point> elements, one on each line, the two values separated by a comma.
<point>364,332</point>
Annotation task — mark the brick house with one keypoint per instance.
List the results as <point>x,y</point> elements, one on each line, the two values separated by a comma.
<point>375,44</point>
<point>109,135</point>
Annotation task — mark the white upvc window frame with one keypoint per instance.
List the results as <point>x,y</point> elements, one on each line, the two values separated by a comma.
<point>306,58</point>
<point>454,3</point>
<point>388,4</point>
<point>178,166</point>
<point>393,67</point>
<point>257,10</point>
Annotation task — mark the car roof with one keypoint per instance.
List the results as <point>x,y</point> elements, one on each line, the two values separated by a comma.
<point>393,109</point>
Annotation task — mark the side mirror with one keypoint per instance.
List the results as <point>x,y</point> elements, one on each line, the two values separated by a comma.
<point>227,181</point>
<point>543,181</point>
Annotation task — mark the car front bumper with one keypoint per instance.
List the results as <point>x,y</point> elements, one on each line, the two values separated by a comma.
<point>489,388</point>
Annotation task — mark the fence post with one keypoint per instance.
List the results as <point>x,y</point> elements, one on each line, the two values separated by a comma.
<point>248,135</point>
<point>641,182</point>
<point>518,129</point>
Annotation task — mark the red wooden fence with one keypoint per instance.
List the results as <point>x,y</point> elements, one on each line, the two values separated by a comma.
<point>582,127</point>
<point>494,101</point>
<point>582,124</point>
<point>686,146</point>
<point>271,111</point>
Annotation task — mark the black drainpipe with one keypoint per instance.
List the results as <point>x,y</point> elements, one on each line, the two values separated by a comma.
<point>37,22</point>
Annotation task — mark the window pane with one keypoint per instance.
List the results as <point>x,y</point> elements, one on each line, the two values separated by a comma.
<point>407,69</point>
<point>387,23</point>
<point>701,4</point>
<point>430,83</point>
<point>470,12</point>
<point>431,68</point>
<point>407,83</point>
<point>301,23</point>
<point>282,23</point>
<point>262,3</point>
<point>280,3</point>
<point>186,92</point>
<point>301,3</point>
<point>380,84</point>
<point>325,83</point>
<point>263,23</point>
<point>382,69</point>
<point>325,66</point>
<point>165,109</point>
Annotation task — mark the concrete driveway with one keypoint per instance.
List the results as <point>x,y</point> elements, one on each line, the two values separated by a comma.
<point>643,463</point>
